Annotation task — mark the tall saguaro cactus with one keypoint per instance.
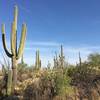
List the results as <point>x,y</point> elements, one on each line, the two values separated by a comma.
<point>16,53</point>
<point>38,61</point>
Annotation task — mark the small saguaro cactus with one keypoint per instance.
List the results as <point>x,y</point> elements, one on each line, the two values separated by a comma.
<point>48,65</point>
<point>22,60</point>
<point>38,61</point>
<point>61,57</point>
<point>56,62</point>
<point>16,53</point>
<point>80,62</point>
<point>7,80</point>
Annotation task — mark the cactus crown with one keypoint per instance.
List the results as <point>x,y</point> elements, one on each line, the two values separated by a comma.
<point>14,52</point>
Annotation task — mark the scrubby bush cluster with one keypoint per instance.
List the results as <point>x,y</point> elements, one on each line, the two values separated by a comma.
<point>81,81</point>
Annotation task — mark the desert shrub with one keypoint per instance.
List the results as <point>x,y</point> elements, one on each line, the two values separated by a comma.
<point>84,78</point>
<point>46,85</point>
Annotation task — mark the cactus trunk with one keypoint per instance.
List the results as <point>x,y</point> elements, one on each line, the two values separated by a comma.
<point>14,70</point>
<point>9,82</point>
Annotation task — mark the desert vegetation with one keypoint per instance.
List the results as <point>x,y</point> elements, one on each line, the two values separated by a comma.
<point>60,81</point>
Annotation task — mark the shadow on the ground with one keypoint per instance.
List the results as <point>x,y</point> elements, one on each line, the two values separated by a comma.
<point>9,98</point>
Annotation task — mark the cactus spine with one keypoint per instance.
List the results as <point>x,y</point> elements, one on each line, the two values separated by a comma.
<point>38,61</point>
<point>14,55</point>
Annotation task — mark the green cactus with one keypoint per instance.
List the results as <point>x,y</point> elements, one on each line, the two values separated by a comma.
<point>61,57</point>
<point>48,65</point>
<point>3,70</point>
<point>22,60</point>
<point>56,62</point>
<point>38,61</point>
<point>14,54</point>
<point>7,80</point>
<point>80,62</point>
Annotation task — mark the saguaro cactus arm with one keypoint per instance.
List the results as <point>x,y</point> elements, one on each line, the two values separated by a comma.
<point>13,39</point>
<point>22,41</point>
<point>15,16</point>
<point>4,42</point>
<point>14,33</point>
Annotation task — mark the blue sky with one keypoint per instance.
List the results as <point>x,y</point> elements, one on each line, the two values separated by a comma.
<point>50,23</point>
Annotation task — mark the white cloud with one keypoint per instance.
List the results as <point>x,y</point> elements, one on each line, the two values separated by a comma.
<point>47,51</point>
<point>42,43</point>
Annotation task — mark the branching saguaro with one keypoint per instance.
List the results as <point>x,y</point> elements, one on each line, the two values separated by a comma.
<point>16,53</point>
